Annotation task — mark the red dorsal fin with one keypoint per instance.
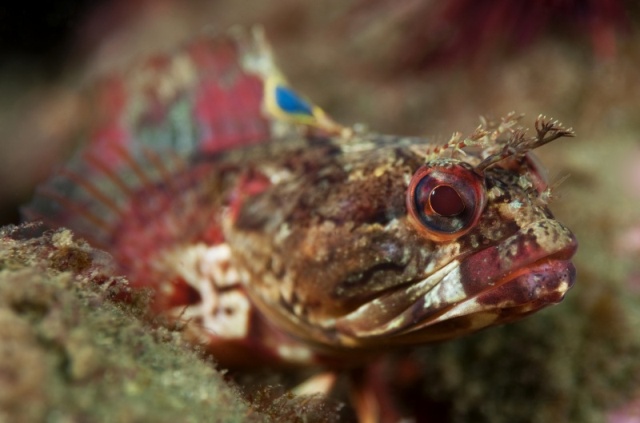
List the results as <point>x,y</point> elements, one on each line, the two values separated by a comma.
<point>133,189</point>
<point>200,98</point>
<point>149,120</point>
<point>136,189</point>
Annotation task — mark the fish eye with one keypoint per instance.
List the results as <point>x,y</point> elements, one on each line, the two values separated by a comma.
<point>445,200</point>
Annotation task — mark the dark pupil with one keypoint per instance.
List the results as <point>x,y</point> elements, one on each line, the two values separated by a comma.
<point>446,201</point>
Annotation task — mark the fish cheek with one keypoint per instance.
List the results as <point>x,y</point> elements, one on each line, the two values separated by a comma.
<point>318,253</point>
<point>317,273</point>
<point>350,266</point>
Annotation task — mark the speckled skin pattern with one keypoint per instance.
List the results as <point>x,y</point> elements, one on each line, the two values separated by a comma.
<point>300,244</point>
<point>330,253</point>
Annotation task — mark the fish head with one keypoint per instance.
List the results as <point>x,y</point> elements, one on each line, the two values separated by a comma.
<point>374,246</point>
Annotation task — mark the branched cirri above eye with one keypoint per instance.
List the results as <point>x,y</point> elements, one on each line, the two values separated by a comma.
<point>445,200</point>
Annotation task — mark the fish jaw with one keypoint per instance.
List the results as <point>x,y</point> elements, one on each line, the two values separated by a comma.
<point>525,272</point>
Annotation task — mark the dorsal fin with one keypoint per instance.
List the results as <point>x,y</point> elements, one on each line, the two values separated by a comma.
<point>210,96</point>
<point>149,123</point>
<point>137,188</point>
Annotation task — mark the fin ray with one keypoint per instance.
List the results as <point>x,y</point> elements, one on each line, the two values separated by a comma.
<point>137,188</point>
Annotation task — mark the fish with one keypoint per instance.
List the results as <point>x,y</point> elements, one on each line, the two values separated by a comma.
<point>279,236</point>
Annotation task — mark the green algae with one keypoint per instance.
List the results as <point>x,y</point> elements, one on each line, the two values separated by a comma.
<point>68,353</point>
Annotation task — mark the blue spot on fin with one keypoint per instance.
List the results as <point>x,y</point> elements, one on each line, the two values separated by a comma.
<point>289,101</point>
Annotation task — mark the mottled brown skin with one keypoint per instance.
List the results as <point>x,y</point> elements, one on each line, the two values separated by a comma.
<point>338,252</point>
<point>268,226</point>
<point>333,234</point>
<point>314,247</point>
<point>275,235</point>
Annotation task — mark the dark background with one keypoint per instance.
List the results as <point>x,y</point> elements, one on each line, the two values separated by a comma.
<point>41,36</point>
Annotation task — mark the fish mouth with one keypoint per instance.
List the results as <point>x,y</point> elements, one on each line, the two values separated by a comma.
<point>525,272</point>
<point>521,293</point>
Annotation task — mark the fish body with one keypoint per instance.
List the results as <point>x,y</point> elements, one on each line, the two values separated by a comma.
<point>279,235</point>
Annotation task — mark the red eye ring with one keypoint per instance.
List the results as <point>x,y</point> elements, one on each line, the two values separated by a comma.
<point>445,199</point>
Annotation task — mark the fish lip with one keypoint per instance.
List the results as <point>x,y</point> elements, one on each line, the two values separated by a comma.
<point>529,254</point>
<point>528,290</point>
<point>538,275</point>
<point>544,282</point>
<point>495,285</point>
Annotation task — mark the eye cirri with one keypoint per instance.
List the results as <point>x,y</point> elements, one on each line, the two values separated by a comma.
<point>445,200</point>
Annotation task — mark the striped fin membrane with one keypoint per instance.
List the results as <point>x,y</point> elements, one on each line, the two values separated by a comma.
<point>215,94</point>
<point>135,189</point>
<point>150,121</point>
